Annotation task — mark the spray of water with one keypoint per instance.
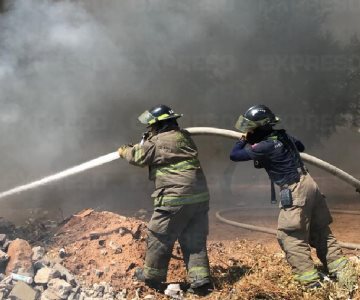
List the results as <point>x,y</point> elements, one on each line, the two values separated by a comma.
<point>71,171</point>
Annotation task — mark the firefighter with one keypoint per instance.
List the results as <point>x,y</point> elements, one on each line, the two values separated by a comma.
<point>181,199</point>
<point>304,216</point>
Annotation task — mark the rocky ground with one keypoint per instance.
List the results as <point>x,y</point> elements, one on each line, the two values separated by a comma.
<point>93,255</point>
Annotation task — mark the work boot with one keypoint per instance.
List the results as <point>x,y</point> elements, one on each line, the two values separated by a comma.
<point>201,287</point>
<point>151,283</point>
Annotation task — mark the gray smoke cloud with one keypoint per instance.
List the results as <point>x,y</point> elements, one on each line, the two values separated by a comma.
<point>74,75</point>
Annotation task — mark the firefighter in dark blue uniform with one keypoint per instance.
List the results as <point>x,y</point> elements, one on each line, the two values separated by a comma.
<point>304,216</point>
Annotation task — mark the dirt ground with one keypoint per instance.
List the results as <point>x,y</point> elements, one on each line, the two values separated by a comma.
<point>104,246</point>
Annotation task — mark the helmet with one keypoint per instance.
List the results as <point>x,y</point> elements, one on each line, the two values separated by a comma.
<point>256,116</point>
<point>157,113</point>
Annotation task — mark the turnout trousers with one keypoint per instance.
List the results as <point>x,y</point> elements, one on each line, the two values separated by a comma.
<point>306,224</point>
<point>189,225</point>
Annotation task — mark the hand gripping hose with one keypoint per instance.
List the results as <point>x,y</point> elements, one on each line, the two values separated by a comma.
<point>306,157</point>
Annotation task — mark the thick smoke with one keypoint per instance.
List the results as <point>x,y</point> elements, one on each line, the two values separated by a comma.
<point>75,75</point>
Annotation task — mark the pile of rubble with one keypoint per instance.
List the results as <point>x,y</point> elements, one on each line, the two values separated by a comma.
<point>93,255</point>
<point>31,273</point>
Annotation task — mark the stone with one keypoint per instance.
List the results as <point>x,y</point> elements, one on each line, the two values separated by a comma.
<point>65,274</point>
<point>75,294</point>
<point>38,253</point>
<point>23,291</point>
<point>40,288</point>
<point>62,253</point>
<point>94,235</point>
<point>149,297</point>
<point>44,275</point>
<point>20,262</point>
<point>99,273</point>
<point>3,257</point>
<point>3,238</point>
<point>5,246</point>
<point>60,288</point>
<point>115,247</point>
<point>103,252</point>
<point>49,295</point>
<point>98,288</point>
<point>39,265</point>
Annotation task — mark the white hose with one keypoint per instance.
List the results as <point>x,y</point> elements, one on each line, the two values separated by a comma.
<point>266,229</point>
<point>306,157</point>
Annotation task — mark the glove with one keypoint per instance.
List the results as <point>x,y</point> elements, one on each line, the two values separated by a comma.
<point>122,150</point>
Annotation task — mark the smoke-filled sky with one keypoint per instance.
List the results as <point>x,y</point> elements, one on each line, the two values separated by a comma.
<point>74,75</point>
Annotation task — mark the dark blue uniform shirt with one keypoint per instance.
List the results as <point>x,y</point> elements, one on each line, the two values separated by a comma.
<point>277,159</point>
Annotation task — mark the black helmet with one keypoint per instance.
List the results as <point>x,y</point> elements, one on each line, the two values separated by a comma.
<point>256,116</point>
<point>156,114</point>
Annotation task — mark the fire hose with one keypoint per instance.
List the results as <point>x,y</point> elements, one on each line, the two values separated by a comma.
<point>306,157</point>
<point>194,131</point>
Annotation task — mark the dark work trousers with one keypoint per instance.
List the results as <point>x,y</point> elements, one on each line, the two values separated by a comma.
<point>189,225</point>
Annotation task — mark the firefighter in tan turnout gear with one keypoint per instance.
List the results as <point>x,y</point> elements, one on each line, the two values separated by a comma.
<point>304,216</point>
<point>181,199</point>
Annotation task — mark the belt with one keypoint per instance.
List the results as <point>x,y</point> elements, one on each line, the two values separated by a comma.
<point>286,185</point>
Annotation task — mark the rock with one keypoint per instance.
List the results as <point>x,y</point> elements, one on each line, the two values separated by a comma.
<point>60,288</point>
<point>39,288</point>
<point>174,291</point>
<point>22,291</point>
<point>20,262</point>
<point>94,235</point>
<point>103,252</point>
<point>149,297</point>
<point>3,257</point>
<point>62,253</point>
<point>5,246</point>
<point>5,289</point>
<point>49,295</point>
<point>3,238</point>
<point>122,231</point>
<point>75,294</point>
<point>122,294</point>
<point>99,273</point>
<point>65,273</point>
<point>38,253</point>
<point>115,247</point>
<point>39,265</point>
<point>44,275</point>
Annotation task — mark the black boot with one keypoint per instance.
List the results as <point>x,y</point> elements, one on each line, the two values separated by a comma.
<point>151,283</point>
<point>201,287</point>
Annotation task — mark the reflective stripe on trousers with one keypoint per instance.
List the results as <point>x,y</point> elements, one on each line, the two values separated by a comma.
<point>307,277</point>
<point>199,272</point>
<point>155,274</point>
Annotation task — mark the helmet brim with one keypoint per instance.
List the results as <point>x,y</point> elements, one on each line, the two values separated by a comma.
<point>148,119</point>
<point>245,125</point>
<point>145,117</point>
